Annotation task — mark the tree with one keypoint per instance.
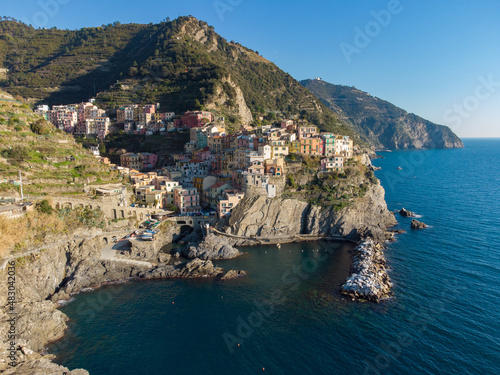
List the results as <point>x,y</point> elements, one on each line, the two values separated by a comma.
<point>102,149</point>
<point>41,127</point>
<point>197,105</point>
<point>133,71</point>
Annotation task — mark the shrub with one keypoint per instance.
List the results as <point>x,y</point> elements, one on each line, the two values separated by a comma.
<point>41,127</point>
<point>44,207</point>
<point>371,176</point>
<point>89,217</point>
<point>16,154</point>
<point>291,182</point>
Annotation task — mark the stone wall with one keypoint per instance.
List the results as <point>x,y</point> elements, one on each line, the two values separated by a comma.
<point>109,207</point>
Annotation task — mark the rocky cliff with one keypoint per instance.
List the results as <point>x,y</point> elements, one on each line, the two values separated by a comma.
<point>277,217</point>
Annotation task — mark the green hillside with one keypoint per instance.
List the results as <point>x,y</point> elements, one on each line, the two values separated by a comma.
<point>183,64</point>
<point>50,160</point>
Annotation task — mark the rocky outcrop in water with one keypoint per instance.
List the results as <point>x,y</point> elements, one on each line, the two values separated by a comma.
<point>233,274</point>
<point>369,279</point>
<point>192,269</point>
<point>212,247</point>
<point>415,224</point>
<point>405,213</point>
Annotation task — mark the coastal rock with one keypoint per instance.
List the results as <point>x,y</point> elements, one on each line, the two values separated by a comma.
<point>415,224</point>
<point>398,231</point>
<point>192,269</point>
<point>42,367</point>
<point>232,274</point>
<point>405,213</point>
<point>46,277</point>
<point>212,247</point>
<point>369,279</point>
<point>277,218</point>
<point>164,257</point>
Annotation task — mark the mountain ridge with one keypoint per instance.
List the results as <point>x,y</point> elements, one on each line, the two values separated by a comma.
<point>380,122</point>
<point>182,64</point>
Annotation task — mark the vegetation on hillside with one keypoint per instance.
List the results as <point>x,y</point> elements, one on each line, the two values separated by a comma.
<point>305,181</point>
<point>44,223</point>
<point>49,159</point>
<point>183,64</point>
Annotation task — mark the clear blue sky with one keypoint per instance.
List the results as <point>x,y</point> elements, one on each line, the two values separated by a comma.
<point>438,59</point>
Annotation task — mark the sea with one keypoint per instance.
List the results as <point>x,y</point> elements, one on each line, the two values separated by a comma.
<point>287,317</point>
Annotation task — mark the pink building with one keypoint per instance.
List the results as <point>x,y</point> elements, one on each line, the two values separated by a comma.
<point>148,160</point>
<point>187,199</point>
<point>149,108</point>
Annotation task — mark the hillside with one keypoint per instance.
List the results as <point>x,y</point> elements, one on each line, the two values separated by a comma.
<point>49,159</point>
<point>183,64</point>
<point>380,122</point>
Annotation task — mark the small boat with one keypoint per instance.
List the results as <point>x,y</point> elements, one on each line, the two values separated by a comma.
<point>400,168</point>
<point>278,245</point>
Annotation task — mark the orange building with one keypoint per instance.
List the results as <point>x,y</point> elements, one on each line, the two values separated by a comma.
<point>311,146</point>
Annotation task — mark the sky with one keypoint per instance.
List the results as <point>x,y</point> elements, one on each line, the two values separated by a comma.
<point>437,59</point>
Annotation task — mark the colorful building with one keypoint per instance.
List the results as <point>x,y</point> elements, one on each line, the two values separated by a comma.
<point>228,202</point>
<point>311,146</point>
<point>187,199</point>
<point>334,163</point>
<point>329,143</point>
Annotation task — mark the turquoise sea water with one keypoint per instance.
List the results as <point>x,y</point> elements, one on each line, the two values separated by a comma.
<point>287,316</point>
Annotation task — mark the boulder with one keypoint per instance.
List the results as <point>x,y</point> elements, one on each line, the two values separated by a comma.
<point>405,213</point>
<point>164,257</point>
<point>232,274</point>
<point>192,269</point>
<point>415,224</point>
<point>212,247</point>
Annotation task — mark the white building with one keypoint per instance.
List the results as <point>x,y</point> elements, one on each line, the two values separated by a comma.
<point>266,151</point>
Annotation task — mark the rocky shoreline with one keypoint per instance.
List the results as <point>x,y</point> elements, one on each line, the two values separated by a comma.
<point>46,278</point>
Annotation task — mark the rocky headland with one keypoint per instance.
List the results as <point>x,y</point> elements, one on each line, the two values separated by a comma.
<point>278,218</point>
<point>365,221</point>
<point>212,247</point>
